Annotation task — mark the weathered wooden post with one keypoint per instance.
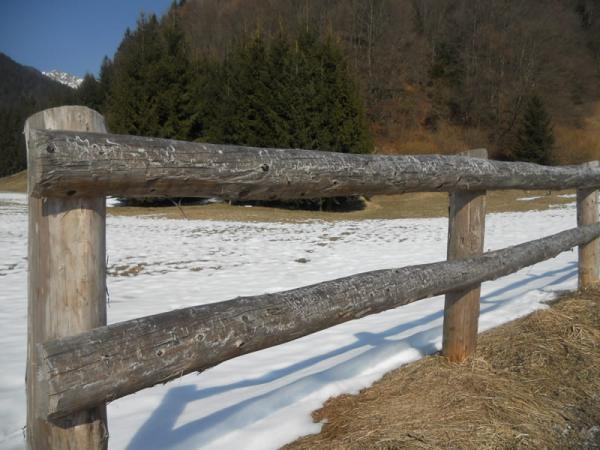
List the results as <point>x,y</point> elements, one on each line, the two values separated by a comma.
<point>466,230</point>
<point>589,254</point>
<point>67,284</point>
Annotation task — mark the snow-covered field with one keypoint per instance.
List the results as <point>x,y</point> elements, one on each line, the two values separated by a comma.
<point>263,400</point>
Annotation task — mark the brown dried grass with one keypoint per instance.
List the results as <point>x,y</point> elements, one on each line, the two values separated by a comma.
<point>447,140</point>
<point>415,205</point>
<point>533,384</point>
<point>14,183</point>
<point>576,145</point>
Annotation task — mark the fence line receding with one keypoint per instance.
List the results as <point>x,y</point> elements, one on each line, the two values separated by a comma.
<point>76,363</point>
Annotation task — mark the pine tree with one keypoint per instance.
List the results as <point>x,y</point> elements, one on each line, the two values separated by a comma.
<point>176,97</point>
<point>152,86</point>
<point>130,92</point>
<point>239,93</point>
<point>90,93</point>
<point>277,94</point>
<point>343,126</point>
<point>535,138</point>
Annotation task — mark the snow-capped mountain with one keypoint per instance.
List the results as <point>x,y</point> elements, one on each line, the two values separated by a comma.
<point>64,78</point>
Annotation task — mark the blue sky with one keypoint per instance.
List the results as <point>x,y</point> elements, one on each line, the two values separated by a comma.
<point>68,35</point>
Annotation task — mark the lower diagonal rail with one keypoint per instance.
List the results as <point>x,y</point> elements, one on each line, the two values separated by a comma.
<point>107,363</point>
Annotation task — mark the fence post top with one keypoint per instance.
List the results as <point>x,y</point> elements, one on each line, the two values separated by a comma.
<point>64,118</point>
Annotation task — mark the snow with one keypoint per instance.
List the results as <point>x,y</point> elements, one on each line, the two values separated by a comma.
<point>264,400</point>
<point>64,78</point>
<point>528,199</point>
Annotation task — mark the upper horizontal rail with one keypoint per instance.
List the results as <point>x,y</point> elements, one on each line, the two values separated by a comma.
<point>65,163</point>
<point>77,372</point>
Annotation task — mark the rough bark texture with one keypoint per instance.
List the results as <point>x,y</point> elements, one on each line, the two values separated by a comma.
<point>589,254</point>
<point>110,362</point>
<point>66,287</point>
<point>466,231</point>
<point>79,164</point>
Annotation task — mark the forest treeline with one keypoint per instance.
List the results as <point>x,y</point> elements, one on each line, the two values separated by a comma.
<point>286,90</point>
<point>393,76</point>
<point>439,75</point>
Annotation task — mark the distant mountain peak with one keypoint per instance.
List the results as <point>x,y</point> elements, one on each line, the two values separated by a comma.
<point>64,78</point>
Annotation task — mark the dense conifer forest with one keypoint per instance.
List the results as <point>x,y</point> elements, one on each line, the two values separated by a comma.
<point>285,90</point>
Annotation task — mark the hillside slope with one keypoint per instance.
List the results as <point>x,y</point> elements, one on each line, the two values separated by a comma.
<point>437,76</point>
<point>23,91</point>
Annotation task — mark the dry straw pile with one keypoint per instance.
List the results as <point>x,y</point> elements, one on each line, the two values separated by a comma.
<point>533,384</point>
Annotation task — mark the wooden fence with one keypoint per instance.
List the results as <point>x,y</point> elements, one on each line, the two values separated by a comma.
<point>75,363</point>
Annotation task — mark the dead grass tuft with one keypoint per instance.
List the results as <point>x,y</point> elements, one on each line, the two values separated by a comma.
<point>14,183</point>
<point>533,383</point>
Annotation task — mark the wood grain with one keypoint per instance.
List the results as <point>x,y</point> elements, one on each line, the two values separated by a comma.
<point>113,361</point>
<point>589,254</point>
<point>67,287</point>
<point>80,164</point>
<point>466,231</point>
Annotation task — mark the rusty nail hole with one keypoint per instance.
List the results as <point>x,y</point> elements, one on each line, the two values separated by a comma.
<point>265,167</point>
<point>50,148</point>
<point>159,353</point>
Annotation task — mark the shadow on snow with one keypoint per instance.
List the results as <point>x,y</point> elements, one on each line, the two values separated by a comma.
<point>159,429</point>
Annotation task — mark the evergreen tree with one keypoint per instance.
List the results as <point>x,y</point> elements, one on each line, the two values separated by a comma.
<point>176,97</point>
<point>282,94</point>
<point>242,96</point>
<point>341,123</point>
<point>131,106</point>
<point>151,83</point>
<point>13,154</point>
<point>535,138</point>
<point>90,93</point>
<point>105,81</point>
<point>94,93</point>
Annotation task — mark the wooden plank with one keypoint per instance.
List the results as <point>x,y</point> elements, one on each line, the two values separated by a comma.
<point>466,231</point>
<point>67,287</point>
<point>79,164</point>
<point>110,362</point>
<point>589,254</point>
